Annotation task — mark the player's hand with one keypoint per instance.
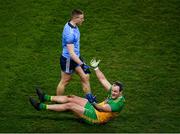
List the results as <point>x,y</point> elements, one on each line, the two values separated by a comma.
<point>94,63</point>
<point>85,68</point>
<point>91,98</point>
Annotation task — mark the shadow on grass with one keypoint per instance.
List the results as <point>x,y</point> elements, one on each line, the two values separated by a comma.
<point>63,117</point>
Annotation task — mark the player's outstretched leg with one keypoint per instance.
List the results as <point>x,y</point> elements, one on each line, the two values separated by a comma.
<point>44,97</point>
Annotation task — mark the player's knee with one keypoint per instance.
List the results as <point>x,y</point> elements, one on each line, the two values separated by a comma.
<point>65,81</point>
<point>70,105</point>
<point>71,98</point>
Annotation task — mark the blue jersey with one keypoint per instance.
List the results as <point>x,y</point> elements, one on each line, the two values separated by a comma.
<point>71,35</point>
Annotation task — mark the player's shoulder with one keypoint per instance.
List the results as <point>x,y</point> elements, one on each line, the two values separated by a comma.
<point>67,29</point>
<point>66,26</point>
<point>122,99</point>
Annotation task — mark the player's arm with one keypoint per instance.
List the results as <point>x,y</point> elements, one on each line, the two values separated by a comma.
<point>104,108</point>
<point>69,38</point>
<point>73,55</point>
<point>94,64</point>
<point>76,59</point>
<point>106,84</point>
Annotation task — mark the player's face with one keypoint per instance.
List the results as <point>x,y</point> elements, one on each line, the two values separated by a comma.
<point>115,91</point>
<point>80,19</point>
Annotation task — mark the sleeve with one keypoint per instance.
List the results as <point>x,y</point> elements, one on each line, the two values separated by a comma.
<point>68,36</point>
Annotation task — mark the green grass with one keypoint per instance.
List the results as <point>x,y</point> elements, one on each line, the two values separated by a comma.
<point>137,41</point>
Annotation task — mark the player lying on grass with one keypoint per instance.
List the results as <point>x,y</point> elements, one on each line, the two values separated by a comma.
<point>89,111</point>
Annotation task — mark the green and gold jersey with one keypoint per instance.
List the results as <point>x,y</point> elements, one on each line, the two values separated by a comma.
<point>91,115</point>
<point>115,104</point>
<point>116,107</point>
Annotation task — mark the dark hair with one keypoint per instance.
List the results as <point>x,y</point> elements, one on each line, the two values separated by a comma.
<point>76,12</point>
<point>121,87</point>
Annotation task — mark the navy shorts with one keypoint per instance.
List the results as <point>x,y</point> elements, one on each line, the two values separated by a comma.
<point>68,65</point>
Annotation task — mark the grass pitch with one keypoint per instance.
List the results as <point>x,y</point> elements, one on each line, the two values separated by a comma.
<point>137,41</point>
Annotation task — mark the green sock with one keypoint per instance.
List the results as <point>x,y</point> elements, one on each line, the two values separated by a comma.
<point>47,97</point>
<point>42,106</point>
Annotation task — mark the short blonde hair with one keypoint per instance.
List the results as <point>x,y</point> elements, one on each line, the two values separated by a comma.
<point>76,12</point>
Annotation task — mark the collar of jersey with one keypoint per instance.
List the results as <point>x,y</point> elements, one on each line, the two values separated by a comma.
<point>71,25</point>
<point>118,98</point>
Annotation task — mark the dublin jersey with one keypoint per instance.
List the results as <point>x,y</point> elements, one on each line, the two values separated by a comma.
<point>70,35</point>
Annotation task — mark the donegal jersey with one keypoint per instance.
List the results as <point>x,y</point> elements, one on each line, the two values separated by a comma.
<point>70,35</point>
<point>116,107</point>
<point>91,115</point>
<point>117,104</point>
